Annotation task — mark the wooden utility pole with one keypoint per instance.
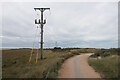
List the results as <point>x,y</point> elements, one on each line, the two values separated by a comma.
<point>41,22</point>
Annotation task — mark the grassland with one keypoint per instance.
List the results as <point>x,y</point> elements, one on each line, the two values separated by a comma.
<point>107,65</point>
<point>15,62</point>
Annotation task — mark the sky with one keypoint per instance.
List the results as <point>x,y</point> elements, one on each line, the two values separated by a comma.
<point>70,24</point>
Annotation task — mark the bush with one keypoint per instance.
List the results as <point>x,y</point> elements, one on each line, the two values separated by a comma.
<point>105,52</point>
<point>76,53</point>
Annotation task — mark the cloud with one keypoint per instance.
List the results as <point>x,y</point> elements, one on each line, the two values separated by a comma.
<point>71,24</point>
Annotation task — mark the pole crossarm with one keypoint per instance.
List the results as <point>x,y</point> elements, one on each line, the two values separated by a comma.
<point>42,9</point>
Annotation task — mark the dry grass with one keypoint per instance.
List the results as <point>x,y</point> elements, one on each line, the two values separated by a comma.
<point>107,66</point>
<point>15,62</point>
<point>16,65</point>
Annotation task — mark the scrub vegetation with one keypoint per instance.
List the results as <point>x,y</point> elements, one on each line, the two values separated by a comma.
<point>15,63</point>
<point>106,62</point>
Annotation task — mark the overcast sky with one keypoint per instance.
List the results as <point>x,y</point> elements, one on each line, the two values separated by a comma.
<point>71,24</point>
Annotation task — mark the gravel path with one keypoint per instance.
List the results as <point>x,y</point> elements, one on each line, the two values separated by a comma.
<point>77,67</point>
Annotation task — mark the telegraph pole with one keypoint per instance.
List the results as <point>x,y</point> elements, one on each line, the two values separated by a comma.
<point>41,22</point>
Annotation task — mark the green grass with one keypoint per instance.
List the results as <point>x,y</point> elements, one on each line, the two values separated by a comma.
<point>106,66</point>
<point>15,63</point>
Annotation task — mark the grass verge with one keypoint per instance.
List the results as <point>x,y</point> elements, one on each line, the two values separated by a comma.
<point>106,66</point>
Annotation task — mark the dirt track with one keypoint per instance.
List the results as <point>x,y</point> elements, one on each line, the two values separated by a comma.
<point>78,67</point>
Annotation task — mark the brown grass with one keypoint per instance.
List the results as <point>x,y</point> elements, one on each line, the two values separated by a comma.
<point>16,65</point>
<point>15,62</point>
